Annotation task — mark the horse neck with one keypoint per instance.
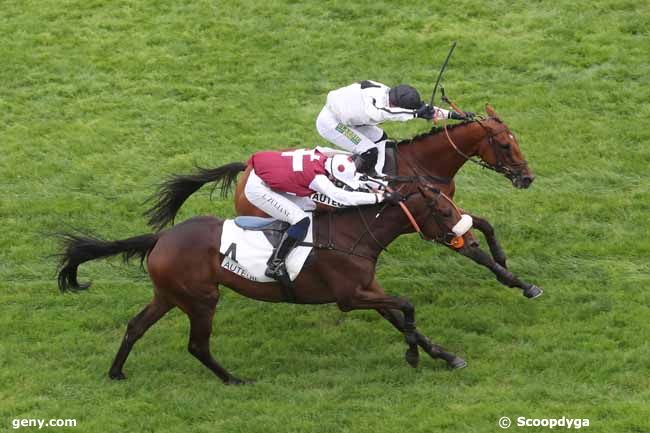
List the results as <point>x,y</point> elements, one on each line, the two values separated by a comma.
<point>391,223</point>
<point>349,228</point>
<point>436,154</point>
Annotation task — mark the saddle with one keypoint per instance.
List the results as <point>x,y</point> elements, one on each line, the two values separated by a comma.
<point>390,164</point>
<point>247,253</point>
<point>271,227</point>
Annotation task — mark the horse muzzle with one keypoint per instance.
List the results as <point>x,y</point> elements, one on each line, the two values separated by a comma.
<point>522,181</point>
<point>458,231</point>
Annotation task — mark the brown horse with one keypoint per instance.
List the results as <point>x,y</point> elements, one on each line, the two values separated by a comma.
<point>436,155</point>
<point>184,265</point>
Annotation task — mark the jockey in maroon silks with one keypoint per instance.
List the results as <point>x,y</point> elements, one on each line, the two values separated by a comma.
<point>281,182</point>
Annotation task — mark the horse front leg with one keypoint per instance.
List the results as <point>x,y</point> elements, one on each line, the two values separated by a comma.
<point>503,275</point>
<point>484,226</point>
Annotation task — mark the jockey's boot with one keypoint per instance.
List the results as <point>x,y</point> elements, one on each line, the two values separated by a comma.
<point>276,267</point>
<point>366,161</point>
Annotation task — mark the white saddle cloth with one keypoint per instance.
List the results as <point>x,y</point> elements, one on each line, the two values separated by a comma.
<point>247,251</point>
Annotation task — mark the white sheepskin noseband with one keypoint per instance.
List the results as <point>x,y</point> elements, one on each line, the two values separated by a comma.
<point>463,225</point>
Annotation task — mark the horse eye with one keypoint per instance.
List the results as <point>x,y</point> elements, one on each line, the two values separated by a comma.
<point>504,145</point>
<point>446,213</point>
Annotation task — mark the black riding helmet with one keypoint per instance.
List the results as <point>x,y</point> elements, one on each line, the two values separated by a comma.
<point>404,96</point>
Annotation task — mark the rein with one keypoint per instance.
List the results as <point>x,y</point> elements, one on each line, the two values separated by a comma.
<point>467,157</point>
<point>417,178</point>
<point>369,230</point>
<point>499,167</point>
<point>445,239</point>
<point>332,247</point>
<point>436,216</point>
<point>408,214</point>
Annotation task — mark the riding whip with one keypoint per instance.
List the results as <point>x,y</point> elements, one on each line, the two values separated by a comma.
<point>442,70</point>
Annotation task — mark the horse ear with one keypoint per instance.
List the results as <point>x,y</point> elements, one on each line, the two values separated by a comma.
<point>490,110</point>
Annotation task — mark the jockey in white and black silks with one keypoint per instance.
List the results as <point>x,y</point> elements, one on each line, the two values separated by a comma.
<point>351,115</point>
<point>281,182</point>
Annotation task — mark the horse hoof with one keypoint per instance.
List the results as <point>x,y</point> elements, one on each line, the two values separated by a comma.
<point>236,381</point>
<point>533,292</point>
<point>116,375</point>
<point>457,363</point>
<point>412,356</point>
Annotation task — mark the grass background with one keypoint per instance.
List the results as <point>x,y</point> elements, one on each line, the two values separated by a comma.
<point>100,100</point>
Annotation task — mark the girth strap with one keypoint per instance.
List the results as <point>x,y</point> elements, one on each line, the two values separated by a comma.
<point>287,287</point>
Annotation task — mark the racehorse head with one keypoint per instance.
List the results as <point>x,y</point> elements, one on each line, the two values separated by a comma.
<point>486,141</point>
<point>442,221</point>
<point>500,150</point>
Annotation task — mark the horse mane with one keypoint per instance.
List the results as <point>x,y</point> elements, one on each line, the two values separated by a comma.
<point>433,131</point>
<point>438,129</point>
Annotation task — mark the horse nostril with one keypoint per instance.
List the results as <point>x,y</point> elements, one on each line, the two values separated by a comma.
<point>526,180</point>
<point>474,243</point>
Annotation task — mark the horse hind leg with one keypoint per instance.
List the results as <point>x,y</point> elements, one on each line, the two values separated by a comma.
<point>136,328</point>
<point>374,298</point>
<point>201,313</point>
<point>432,349</point>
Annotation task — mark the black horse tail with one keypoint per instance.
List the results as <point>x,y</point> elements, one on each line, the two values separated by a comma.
<point>79,249</point>
<point>173,192</point>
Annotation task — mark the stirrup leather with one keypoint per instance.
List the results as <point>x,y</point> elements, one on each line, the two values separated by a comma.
<point>276,268</point>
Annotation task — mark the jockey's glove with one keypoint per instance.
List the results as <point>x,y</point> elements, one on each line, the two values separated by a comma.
<point>393,197</point>
<point>424,112</point>
<point>467,115</point>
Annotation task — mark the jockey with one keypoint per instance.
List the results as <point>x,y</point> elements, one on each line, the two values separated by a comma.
<point>351,114</point>
<point>281,182</point>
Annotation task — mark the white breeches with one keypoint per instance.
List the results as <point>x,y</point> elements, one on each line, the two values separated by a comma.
<point>283,206</point>
<point>355,139</point>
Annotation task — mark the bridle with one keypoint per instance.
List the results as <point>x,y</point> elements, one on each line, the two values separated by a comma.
<point>499,148</point>
<point>445,238</point>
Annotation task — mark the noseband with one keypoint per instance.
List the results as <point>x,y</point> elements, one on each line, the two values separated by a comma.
<point>444,238</point>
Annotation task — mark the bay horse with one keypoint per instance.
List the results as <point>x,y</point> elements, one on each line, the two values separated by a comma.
<point>183,263</point>
<point>436,156</point>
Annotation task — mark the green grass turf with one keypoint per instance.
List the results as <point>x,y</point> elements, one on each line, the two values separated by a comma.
<point>100,100</point>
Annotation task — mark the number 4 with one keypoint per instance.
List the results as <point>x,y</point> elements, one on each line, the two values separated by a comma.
<point>297,157</point>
